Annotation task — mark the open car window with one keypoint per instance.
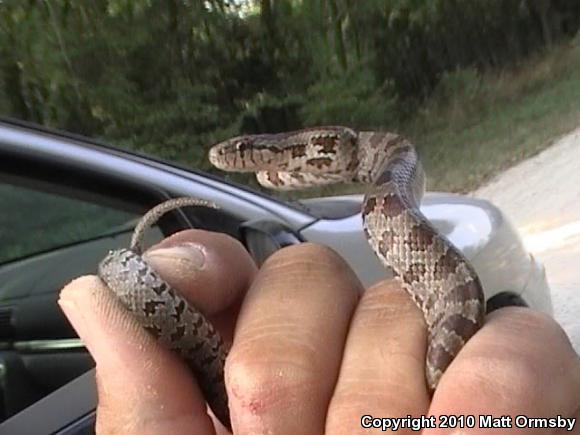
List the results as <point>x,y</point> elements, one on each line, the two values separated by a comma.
<point>32,221</point>
<point>48,237</point>
<point>61,211</point>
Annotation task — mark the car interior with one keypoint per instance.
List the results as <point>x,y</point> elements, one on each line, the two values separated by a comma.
<point>57,225</point>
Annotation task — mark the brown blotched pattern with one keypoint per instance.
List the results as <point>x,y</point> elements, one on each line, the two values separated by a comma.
<point>320,162</point>
<point>327,144</point>
<point>168,317</point>
<point>434,273</point>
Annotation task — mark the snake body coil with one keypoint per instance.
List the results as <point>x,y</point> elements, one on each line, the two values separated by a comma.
<point>178,325</point>
<point>434,273</point>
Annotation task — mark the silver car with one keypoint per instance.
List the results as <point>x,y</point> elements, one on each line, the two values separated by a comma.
<point>65,201</point>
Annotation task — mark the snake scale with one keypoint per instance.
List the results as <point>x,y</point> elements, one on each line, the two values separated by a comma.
<point>438,278</point>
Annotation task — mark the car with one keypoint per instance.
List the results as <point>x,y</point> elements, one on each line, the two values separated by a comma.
<point>65,201</point>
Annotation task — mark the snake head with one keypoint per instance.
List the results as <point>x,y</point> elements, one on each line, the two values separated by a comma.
<point>232,153</point>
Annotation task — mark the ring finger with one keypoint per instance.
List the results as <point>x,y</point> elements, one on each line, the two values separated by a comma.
<point>383,369</point>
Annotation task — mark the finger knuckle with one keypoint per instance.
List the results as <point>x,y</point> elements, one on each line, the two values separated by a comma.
<point>257,383</point>
<point>305,253</point>
<point>523,321</point>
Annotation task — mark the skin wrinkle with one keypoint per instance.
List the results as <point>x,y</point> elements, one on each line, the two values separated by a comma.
<point>384,399</point>
<point>123,337</point>
<point>509,381</point>
<point>376,310</point>
<point>260,333</point>
<point>365,384</point>
<point>282,269</point>
<point>272,365</point>
<point>562,372</point>
<point>388,205</point>
<point>382,372</point>
<point>379,306</point>
<point>514,377</point>
<point>308,362</point>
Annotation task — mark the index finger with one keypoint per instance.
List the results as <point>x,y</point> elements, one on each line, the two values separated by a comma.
<point>211,270</point>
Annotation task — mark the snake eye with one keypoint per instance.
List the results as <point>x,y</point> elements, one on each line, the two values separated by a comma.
<point>241,146</point>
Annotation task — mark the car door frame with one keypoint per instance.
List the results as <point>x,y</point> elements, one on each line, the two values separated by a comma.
<point>43,159</point>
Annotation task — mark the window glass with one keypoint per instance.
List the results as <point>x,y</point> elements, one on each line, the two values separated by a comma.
<point>46,240</point>
<point>32,221</point>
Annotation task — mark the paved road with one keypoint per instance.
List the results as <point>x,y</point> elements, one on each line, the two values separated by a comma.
<point>542,198</point>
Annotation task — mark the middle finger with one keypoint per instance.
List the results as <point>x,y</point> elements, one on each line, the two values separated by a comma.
<point>288,343</point>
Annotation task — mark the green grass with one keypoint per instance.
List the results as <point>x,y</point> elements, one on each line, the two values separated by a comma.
<point>475,125</point>
<point>496,119</point>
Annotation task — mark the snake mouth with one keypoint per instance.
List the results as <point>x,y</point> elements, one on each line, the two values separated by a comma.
<point>235,154</point>
<point>229,155</point>
<point>217,156</point>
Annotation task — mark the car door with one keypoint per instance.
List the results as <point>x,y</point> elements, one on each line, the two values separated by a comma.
<point>63,205</point>
<point>53,229</point>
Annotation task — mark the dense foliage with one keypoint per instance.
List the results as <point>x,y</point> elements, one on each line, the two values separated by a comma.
<point>171,77</point>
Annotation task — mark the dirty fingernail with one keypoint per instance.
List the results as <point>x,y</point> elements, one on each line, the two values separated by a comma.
<point>188,255</point>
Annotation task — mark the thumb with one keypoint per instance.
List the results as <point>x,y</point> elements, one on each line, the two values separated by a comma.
<point>142,387</point>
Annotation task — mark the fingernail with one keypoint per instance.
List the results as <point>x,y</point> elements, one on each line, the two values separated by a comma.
<point>68,304</point>
<point>183,255</point>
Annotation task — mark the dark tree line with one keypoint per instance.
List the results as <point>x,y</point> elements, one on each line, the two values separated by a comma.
<point>174,76</point>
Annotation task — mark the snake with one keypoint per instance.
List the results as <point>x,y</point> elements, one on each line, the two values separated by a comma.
<point>436,275</point>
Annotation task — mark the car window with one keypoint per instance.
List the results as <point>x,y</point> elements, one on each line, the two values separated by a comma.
<point>47,238</point>
<point>32,221</point>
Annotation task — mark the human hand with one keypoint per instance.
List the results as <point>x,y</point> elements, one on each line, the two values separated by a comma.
<point>312,353</point>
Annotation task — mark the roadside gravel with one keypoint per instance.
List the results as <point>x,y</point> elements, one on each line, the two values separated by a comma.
<point>542,198</point>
